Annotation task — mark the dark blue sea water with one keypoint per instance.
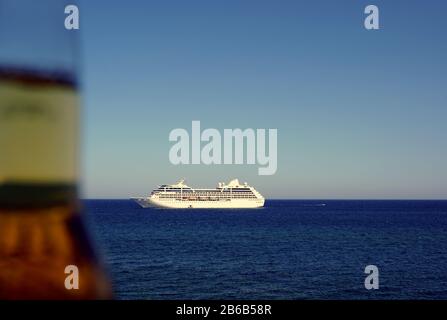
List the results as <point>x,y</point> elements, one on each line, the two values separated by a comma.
<point>287,250</point>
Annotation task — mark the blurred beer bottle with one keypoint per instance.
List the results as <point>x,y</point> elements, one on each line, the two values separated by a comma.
<point>41,230</point>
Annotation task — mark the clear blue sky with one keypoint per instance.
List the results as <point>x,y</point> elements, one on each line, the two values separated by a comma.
<point>360,114</point>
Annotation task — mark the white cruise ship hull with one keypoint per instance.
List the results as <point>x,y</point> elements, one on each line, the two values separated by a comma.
<point>180,196</point>
<point>185,204</point>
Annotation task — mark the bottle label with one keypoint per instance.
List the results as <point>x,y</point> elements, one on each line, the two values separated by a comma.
<point>38,133</point>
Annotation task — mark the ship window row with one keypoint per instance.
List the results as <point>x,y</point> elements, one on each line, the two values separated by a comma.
<point>236,196</point>
<point>203,196</point>
<point>226,192</point>
<point>209,194</point>
<point>162,188</point>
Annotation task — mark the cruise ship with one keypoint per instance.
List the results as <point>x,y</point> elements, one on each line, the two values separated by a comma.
<point>181,196</point>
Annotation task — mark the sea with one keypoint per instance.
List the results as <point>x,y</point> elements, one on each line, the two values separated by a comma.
<point>290,249</point>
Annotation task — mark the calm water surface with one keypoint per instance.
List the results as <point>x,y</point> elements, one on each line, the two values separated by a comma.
<point>287,250</point>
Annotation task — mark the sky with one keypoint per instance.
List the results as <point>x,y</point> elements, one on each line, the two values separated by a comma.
<point>360,114</point>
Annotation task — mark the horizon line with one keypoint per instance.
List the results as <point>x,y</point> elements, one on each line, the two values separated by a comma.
<point>310,199</point>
